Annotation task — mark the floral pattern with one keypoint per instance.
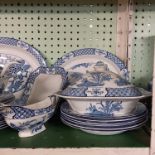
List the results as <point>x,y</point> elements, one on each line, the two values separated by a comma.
<point>105,108</point>
<point>17,74</point>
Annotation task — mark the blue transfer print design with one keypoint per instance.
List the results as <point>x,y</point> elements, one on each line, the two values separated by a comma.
<point>115,59</point>
<point>74,92</point>
<point>97,80</point>
<point>73,77</point>
<point>23,113</point>
<point>85,65</point>
<point>101,64</point>
<point>123,92</point>
<point>93,51</point>
<point>33,75</point>
<point>33,125</point>
<point>27,47</point>
<point>105,110</point>
<point>95,92</point>
<point>17,75</point>
<point>121,82</point>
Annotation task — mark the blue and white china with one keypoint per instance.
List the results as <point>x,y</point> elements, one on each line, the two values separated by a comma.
<point>42,83</point>
<point>37,104</point>
<point>96,92</point>
<point>101,83</point>
<point>15,75</point>
<point>84,60</point>
<point>104,125</point>
<point>101,107</point>
<point>12,49</point>
<point>139,112</point>
<point>29,119</point>
<point>5,98</point>
<point>98,106</point>
<point>100,131</point>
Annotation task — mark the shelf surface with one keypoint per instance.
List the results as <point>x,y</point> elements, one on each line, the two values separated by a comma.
<point>58,135</point>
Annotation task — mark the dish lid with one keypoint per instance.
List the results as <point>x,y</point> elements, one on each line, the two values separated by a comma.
<point>101,83</point>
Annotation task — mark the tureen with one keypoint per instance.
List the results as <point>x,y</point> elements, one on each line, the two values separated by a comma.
<point>102,92</point>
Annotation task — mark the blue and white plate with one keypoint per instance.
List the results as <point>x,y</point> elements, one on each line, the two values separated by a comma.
<point>12,50</point>
<point>104,124</point>
<point>104,131</point>
<point>86,59</point>
<point>139,112</point>
<point>106,128</point>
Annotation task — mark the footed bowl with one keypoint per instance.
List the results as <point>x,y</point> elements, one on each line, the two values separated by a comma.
<point>29,120</point>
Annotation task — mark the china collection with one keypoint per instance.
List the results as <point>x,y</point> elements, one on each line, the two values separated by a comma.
<point>98,97</point>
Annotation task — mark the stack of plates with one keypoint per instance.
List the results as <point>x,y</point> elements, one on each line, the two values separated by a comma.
<point>104,125</point>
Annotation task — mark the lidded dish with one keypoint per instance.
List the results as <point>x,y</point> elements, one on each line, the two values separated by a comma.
<point>102,92</point>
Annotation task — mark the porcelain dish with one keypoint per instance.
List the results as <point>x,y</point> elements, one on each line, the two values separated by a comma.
<point>102,92</point>
<point>38,102</point>
<point>104,125</point>
<point>84,60</point>
<point>138,112</point>
<point>29,119</point>
<point>14,77</point>
<point>12,49</point>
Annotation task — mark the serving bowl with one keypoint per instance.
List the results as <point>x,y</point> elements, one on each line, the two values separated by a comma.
<point>29,119</point>
<point>37,104</point>
<point>102,92</point>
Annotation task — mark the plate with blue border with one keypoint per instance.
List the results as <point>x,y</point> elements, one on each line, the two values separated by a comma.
<point>84,60</point>
<point>12,50</point>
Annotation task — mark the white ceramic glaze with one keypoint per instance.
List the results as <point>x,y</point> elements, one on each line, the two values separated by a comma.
<point>12,49</point>
<point>100,83</point>
<point>84,60</point>
<point>137,113</point>
<point>24,126</point>
<point>102,107</point>
<point>14,76</point>
<point>103,131</point>
<point>116,106</point>
<point>9,112</point>
<point>143,92</point>
<point>45,85</point>
<point>29,119</point>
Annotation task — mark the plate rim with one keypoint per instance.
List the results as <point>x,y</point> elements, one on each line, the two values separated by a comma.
<point>10,41</point>
<point>117,62</point>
